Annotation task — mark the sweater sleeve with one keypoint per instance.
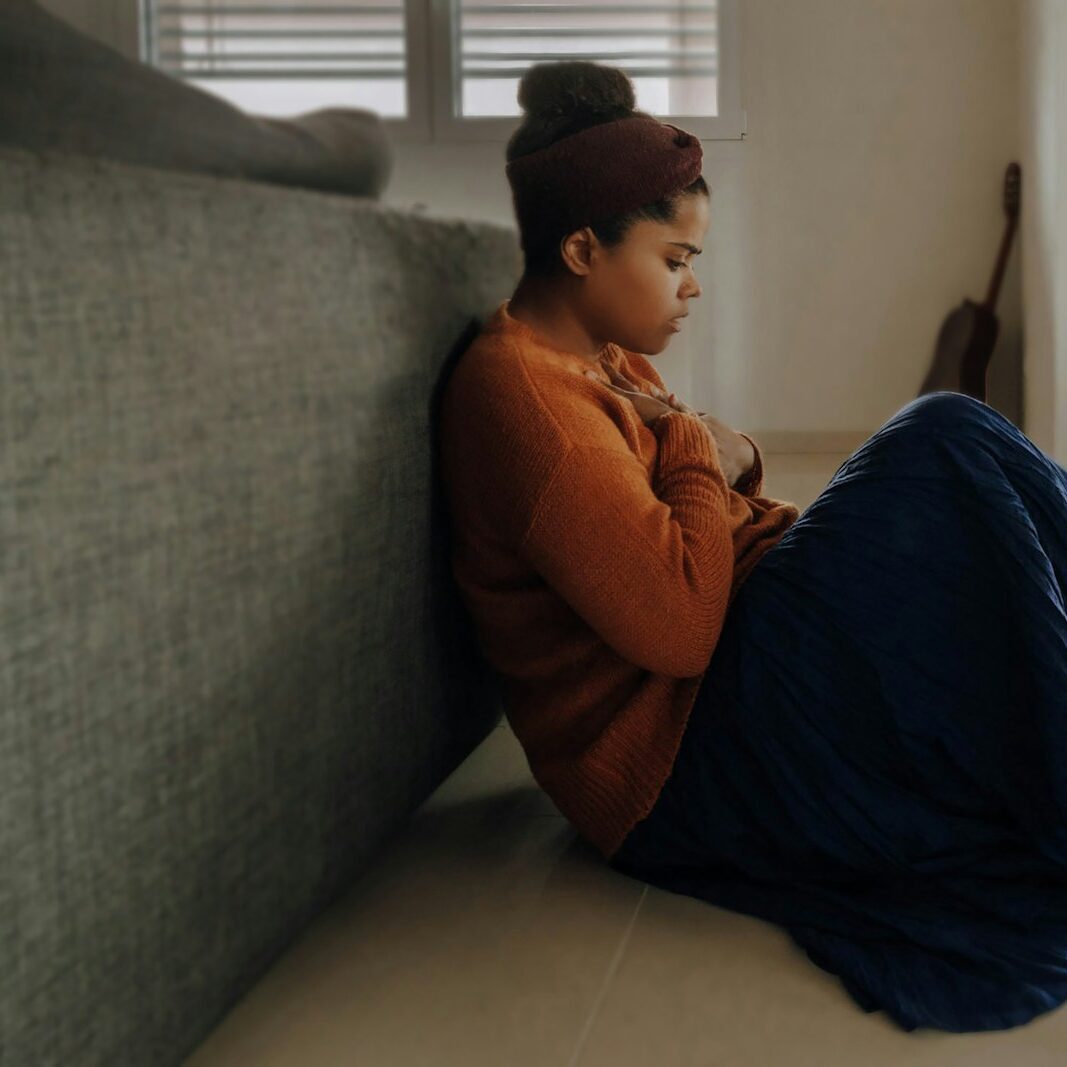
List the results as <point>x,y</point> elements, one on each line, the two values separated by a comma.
<point>751,482</point>
<point>650,574</point>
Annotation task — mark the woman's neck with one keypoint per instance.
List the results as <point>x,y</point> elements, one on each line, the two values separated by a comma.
<point>550,316</point>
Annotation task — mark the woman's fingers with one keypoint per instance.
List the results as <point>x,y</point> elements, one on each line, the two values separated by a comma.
<point>616,388</point>
<point>623,382</point>
<point>625,387</point>
<point>654,390</point>
<point>618,378</point>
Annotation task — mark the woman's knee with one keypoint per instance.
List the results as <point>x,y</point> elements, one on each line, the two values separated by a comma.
<point>945,405</point>
<point>940,411</point>
<point>920,422</point>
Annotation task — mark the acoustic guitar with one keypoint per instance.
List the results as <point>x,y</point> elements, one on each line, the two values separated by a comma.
<point>968,334</point>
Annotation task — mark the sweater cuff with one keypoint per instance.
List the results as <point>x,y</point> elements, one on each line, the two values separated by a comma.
<point>684,439</point>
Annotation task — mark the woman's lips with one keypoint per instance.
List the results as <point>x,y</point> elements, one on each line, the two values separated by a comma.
<point>675,324</point>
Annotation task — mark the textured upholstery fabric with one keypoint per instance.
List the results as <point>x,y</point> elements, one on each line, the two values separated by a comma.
<point>232,661</point>
<point>61,89</point>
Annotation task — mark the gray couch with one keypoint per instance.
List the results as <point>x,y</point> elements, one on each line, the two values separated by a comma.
<point>232,659</point>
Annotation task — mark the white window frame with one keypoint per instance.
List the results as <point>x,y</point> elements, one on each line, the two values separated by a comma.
<point>431,46</point>
<point>434,92</point>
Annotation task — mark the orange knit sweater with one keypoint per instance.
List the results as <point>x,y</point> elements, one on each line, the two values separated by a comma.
<point>597,558</point>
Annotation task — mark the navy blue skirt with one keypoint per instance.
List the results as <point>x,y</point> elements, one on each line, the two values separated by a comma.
<point>877,757</point>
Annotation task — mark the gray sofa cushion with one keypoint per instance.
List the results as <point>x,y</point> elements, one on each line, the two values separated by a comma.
<point>232,659</point>
<point>63,90</point>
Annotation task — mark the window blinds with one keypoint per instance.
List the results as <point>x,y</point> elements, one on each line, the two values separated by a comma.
<point>674,40</point>
<point>235,38</point>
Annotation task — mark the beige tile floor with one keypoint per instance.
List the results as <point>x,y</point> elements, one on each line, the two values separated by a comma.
<point>490,934</point>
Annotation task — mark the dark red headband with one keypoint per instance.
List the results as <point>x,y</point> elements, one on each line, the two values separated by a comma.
<point>599,172</point>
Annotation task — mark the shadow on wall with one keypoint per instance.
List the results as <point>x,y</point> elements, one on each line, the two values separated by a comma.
<point>470,676</point>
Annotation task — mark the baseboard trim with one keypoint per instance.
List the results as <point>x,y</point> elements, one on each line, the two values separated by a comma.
<point>839,442</point>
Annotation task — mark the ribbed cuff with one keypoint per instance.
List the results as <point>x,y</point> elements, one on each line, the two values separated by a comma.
<point>683,438</point>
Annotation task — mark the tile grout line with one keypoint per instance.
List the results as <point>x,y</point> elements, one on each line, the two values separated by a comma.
<point>614,966</point>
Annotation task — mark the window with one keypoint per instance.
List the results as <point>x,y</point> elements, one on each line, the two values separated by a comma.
<point>447,69</point>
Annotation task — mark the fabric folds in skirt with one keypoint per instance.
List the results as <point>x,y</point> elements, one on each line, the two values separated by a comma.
<point>877,757</point>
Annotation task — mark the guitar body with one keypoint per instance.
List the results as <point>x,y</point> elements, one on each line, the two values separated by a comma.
<point>964,348</point>
<point>985,326</point>
<point>969,333</point>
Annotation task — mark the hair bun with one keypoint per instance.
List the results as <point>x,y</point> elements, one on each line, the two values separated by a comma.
<point>549,91</point>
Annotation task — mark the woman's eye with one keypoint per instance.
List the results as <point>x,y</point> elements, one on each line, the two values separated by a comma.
<point>674,264</point>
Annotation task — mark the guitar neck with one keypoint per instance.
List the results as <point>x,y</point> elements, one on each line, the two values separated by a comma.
<point>1002,262</point>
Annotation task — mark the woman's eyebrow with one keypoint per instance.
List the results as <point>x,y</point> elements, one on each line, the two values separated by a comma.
<point>682,244</point>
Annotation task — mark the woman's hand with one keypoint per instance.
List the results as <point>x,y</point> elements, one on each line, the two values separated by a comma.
<point>649,408</point>
<point>739,449</point>
<point>736,455</point>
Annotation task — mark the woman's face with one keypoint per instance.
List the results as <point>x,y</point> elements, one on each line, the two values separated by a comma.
<point>632,292</point>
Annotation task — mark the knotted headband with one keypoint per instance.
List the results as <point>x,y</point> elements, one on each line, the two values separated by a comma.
<point>599,172</point>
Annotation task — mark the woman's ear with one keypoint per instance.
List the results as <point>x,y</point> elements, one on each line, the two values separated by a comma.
<point>576,250</point>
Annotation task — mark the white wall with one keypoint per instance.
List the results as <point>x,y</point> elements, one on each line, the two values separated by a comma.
<point>862,206</point>
<point>1044,221</point>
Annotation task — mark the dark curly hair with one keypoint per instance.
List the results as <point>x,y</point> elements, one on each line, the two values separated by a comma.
<point>562,98</point>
